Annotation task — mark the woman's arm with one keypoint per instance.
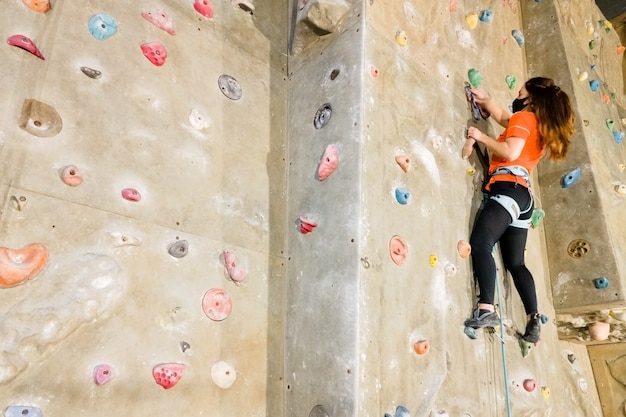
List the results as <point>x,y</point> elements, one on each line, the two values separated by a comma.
<point>486,103</point>
<point>509,150</point>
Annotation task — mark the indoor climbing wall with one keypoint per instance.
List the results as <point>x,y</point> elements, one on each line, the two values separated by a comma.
<point>142,200</point>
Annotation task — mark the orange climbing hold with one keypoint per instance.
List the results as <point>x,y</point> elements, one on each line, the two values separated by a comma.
<point>620,49</point>
<point>421,347</point>
<point>452,5</point>
<point>404,162</point>
<point>20,265</point>
<point>464,248</point>
<point>39,6</point>
<point>398,250</point>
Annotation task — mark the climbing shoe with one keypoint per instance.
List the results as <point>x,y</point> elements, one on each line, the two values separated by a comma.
<point>483,318</point>
<point>533,329</point>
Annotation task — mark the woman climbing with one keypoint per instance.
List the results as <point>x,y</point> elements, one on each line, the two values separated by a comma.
<point>542,121</point>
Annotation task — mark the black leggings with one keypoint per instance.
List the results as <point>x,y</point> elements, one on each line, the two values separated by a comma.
<point>493,225</point>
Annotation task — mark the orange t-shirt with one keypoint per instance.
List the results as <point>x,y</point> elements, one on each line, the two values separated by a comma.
<point>522,125</point>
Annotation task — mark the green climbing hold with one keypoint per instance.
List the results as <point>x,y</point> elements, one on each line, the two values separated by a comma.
<point>470,332</point>
<point>592,44</point>
<point>475,77</point>
<point>525,347</point>
<point>510,81</point>
<point>537,216</point>
<point>610,124</point>
<point>613,96</point>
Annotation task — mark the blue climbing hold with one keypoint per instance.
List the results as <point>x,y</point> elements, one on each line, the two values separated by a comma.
<point>102,26</point>
<point>543,318</point>
<point>594,85</point>
<point>470,332</point>
<point>593,67</point>
<point>571,177</point>
<point>618,136</point>
<point>518,36</point>
<point>21,411</point>
<point>402,195</point>
<point>400,412</point>
<point>486,16</point>
<point>601,282</point>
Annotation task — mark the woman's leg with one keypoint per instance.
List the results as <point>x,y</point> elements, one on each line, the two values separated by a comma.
<point>512,246</point>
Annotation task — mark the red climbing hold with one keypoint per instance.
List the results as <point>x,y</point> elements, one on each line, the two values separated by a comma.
<point>25,43</point>
<point>306,225</point>
<point>329,162</point>
<point>131,194</point>
<point>155,52</point>
<point>204,8</point>
<point>168,374</point>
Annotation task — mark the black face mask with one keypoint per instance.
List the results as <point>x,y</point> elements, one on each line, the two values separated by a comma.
<point>519,104</point>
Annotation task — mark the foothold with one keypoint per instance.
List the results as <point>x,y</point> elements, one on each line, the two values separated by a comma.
<point>401,38</point>
<point>234,271</point>
<point>155,52</point>
<point>618,136</point>
<point>167,375</point>
<point>486,16</point>
<point>525,347</point>
<point>244,5</point>
<point>453,5</point>
<point>22,411</point>
<point>70,176</point>
<point>421,347</point>
<point>620,50</point>
<point>620,189</point>
<point>102,374</point>
<point>19,202</point>
<point>510,81</point>
<point>433,259</point>
<point>450,269</point>
<point>131,194</point>
<point>91,73</point>
<point>610,124</point>
<point>472,20</point>
<point>223,375</point>
<point>322,116</point>
<point>20,265</point>
<point>198,121</point>
<point>25,43</point>
<point>601,282</point>
<point>464,248</point>
<point>592,44</point>
<point>217,304</point>
<point>374,72</point>
<point>543,318</point>
<point>230,87</point>
<point>328,163</point>
<point>578,248</point>
<point>518,36</point>
<point>119,239</point>
<point>184,346</point>
<point>398,250</point>
<point>402,411</point>
<point>474,77</point>
<point>470,332</point>
<point>102,26</point>
<point>470,171</point>
<point>178,249</point>
<point>606,99</point>
<point>599,331</point>
<point>160,19</point>
<point>39,6</point>
<point>571,358</point>
<point>529,385</point>
<point>621,167</point>
<point>583,76</point>
<point>594,85</point>
<point>402,195</point>
<point>537,216</point>
<point>39,119</point>
<point>404,162</point>
<point>305,224</point>
<point>571,177</point>
<point>204,7</point>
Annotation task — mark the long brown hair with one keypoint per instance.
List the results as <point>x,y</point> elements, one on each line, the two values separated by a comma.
<point>555,116</point>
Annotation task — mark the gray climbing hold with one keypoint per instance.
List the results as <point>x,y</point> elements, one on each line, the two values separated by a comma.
<point>178,249</point>
<point>322,116</point>
<point>230,87</point>
<point>91,73</point>
<point>22,411</point>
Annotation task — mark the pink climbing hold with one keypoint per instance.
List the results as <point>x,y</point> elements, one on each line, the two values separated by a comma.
<point>155,52</point>
<point>131,194</point>
<point>398,250</point>
<point>529,385</point>
<point>329,162</point>
<point>464,249</point>
<point>26,44</point>
<point>70,176</point>
<point>160,19</point>
<point>404,161</point>
<point>102,374</point>
<point>204,7</point>
<point>235,272</point>
<point>306,225</point>
<point>217,304</point>
<point>168,374</point>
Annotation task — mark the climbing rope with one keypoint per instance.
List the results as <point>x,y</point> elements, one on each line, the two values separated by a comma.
<point>503,346</point>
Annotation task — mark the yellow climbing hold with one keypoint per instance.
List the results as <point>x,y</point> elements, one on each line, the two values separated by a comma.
<point>589,27</point>
<point>622,167</point>
<point>472,20</point>
<point>433,260</point>
<point>470,171</point>
<point>583,76</point>
<point>401,38</point>
<point>545,391</point>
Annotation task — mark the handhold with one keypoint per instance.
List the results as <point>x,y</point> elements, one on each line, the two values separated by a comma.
<point>155,52</point>
<point>374,72</point>
<point>421,347</point>
<point>39,119</point>
<point>168,374</point>
<point>223,375</point>
<point>464,248</point>
<point>433,259</point>
<point>592,44</point>
<point>606,99</point>
<point>20,265</point>
<point>25,43</point>
<point>571,177</point>
<point>329,162</point>
<point>19,202</point>
<point>184,346</point>
<point>474,77</point>
<point>545,392</point>
<point>537,216</point>
<point>131,194</point>
<point>235,272</point>
<point>398,250</point>
<point>529,385</point>
<point>543,318</point>
<point>401,38</point>
<point>102,26</point>
<point>606,24</point>
<point>610,124</point>
<point>178,248</point>
<point>571,358</point>
<point>91,73</point>
<point>244,5</point>
<point>599,330</point>
<point>39,6</point>
<point>518,36</point>
<point>198,121</point>
<point>305,224</point>
<point>322,116</point>
<point>472,20</point>
<point>594,85</point>
<point>404,162</point>
<point>620,189</point>
<point>618,136</point>
<point>470,332</point>
<point>583,76</point>
<point>486,16</point>
<point>402,195</point>
<point>204,7</point>
<point>401,411</point>
<point>160,19</point>
<point>22,411</point>
<point>601,282</point>
<point>470,171</point>
<point>70,176</point>
<point>453,5</point>
<point>229,87</point>
<point>589,27</point>
<point>217,304</point>
<point>119,239</point>
<point>450,269</point>
<point>510,81</point>
<point>620,50</point>
<point>621,167</point>
<point>102,374</point>
<point>582,384</point>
